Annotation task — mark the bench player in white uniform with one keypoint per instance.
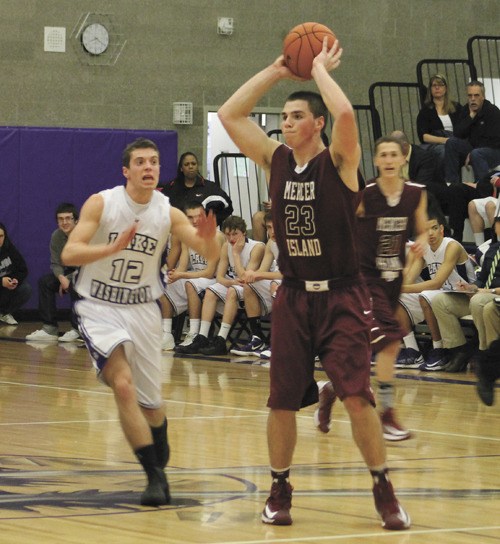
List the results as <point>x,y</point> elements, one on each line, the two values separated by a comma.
<point>238,254</point>
<point>259,290</point>
<point>186,283</point>
<point>444,263</point>
<point>119,243</point>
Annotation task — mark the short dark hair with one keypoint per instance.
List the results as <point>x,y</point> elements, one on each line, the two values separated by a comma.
<point>140,143</point>
<point>67,207</point>
<point>234,222</point>
<point>476,83</point>
<point>193,205</point>
<point>268,217</point>
<point>314,100</point>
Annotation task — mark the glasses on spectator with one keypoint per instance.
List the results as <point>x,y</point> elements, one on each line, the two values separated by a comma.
<point>65,219</point>
<point>436,84</point>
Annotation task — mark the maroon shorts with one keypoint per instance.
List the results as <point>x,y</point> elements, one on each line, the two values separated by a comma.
<point>385,327</point>
<point>333,324</point>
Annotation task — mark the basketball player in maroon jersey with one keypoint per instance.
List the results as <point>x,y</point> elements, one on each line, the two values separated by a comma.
<point>322,299</point>
<point>390,213</point>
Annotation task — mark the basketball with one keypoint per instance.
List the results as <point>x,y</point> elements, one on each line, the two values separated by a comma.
<point>302,44</point>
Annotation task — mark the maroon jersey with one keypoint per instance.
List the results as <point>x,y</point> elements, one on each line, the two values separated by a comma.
<point>313,217</point>
<point>384,231</point>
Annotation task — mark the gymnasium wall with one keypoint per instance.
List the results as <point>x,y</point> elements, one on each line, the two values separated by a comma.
<point>174,54</point>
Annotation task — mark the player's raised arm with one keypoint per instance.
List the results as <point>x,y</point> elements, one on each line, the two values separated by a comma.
<point>344,145</point>
<point>251,140</point>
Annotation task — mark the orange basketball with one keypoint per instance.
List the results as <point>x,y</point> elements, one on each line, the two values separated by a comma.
<point>302,44</point>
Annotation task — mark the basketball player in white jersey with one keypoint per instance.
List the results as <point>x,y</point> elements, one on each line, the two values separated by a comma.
<point>444,263</point>
<point>238,254</point>
<point>187,282</point>
<point>119,243</point>
<point>259,291</point>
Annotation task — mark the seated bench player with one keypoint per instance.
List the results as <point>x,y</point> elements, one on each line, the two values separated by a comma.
<point>238,254</point>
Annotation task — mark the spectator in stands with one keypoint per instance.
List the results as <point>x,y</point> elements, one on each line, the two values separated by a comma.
<point>442,265</point>
<point>475,298</point>
<point>482,211</point>
<point>237,255</point>
<point>476,137</point>
<point>187,282</point>
<point>59,281</point>
<point>435,121</point>
<point>15,291</point>
<point>476,141</point>
<point>190,185</point>
<point>259,290</point>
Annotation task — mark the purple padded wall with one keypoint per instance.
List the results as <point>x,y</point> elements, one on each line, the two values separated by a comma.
<point>42,167</point>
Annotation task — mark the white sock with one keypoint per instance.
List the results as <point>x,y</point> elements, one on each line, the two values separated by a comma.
<point>438,344</point>
<point>411,342</point>
<point>194,326</point>
<point>224,330</point>
<point>479,238</point>
<point>205,328</point>
<point>167,325</point>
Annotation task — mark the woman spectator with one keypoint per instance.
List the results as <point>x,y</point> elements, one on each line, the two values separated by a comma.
<point>436,119</point>
<point>14,289</point>
<point>190,186</point>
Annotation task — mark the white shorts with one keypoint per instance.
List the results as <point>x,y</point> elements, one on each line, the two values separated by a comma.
<point>176,292</point>
<point>104,327</point>
<point>262,289</point>
<point>480,204</point>
<point>411,303</point>
<point>221,292</point>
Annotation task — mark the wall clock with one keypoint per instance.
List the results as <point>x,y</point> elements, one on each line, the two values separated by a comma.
<point>95,39</point>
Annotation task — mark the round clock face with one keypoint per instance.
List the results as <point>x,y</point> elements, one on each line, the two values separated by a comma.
<point>95,39</point>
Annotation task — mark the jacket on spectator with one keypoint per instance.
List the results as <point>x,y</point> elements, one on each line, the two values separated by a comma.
<point>204,191</point>
<point>481,131</point>
<point>12,263</point>
<point>422,166</point>
<point>428,121</point>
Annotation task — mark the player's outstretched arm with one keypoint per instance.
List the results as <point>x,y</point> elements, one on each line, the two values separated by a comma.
<point>78,250</point>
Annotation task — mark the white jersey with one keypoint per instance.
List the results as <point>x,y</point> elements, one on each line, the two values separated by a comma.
<point>245,256</point>
<point>434,259</point>
<point>197,263</point>
<point>131,276</point>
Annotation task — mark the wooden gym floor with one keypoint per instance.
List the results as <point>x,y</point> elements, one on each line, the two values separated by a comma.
<point>68,476</point>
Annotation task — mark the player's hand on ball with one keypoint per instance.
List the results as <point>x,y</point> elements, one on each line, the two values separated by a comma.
<point>284,72</point>
<point>330,59</point>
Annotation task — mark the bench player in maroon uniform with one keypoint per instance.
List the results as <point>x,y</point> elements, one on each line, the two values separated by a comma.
<point>314,190</point>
